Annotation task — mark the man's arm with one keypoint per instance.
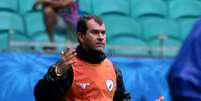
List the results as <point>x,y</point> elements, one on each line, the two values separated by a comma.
<point>52,87</point>
<point>58,80</point>
<point>120,93</point>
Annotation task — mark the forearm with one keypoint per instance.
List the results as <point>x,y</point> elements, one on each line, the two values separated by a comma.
<point>51,87</point>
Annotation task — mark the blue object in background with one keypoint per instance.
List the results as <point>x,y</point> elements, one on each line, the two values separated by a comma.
<point>19,74</point>
<point>144,78</point>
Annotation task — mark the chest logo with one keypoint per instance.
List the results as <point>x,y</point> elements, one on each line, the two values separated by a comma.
<point>110,84</point>
<point>83,85</point>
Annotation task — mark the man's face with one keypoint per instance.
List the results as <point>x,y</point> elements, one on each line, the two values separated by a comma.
<point>95,37</point>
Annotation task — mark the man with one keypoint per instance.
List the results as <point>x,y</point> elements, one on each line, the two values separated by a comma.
<point>59,16</point>
<point>185,74</point>
<point>83,74</point>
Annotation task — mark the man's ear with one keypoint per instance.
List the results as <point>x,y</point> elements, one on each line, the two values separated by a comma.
<point>80,36</point>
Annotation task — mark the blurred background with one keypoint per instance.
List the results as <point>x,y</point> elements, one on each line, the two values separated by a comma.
<point>143,38</point>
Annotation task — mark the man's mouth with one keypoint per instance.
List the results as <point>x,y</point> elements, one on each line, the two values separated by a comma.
<point>100,44</point>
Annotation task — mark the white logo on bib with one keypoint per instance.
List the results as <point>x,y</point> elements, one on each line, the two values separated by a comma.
<point>83,85</point>
<point>110,85</point>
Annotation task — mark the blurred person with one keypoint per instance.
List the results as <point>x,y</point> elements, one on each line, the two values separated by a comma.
<point>84,73</point>
<point>59,16</point>
<point>184,77</point>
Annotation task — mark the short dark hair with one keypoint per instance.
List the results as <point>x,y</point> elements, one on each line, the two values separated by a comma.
<point>82,23</point>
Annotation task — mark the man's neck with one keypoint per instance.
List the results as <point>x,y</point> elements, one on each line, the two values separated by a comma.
<point>91,56</point>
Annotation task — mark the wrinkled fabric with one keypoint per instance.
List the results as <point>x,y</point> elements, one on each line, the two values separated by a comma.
<point>185,75</point>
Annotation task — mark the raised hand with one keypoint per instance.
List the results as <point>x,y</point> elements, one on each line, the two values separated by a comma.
<point>67,59</point>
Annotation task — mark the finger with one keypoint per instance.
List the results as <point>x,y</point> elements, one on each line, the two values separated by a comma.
<point>70,62</point>
<point>68,51</point>
<point>74,59</point>
<point>64,51</point>
<point>67,64</point>
<point>69,57</point>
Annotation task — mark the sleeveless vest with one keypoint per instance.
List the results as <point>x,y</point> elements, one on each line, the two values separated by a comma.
<point>92,82</point>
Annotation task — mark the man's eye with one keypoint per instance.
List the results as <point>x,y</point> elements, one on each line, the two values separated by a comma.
<point>97,32</point>
<point>103,32</point>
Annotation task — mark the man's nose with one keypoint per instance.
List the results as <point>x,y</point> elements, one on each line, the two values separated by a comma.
<point>101,36</point>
